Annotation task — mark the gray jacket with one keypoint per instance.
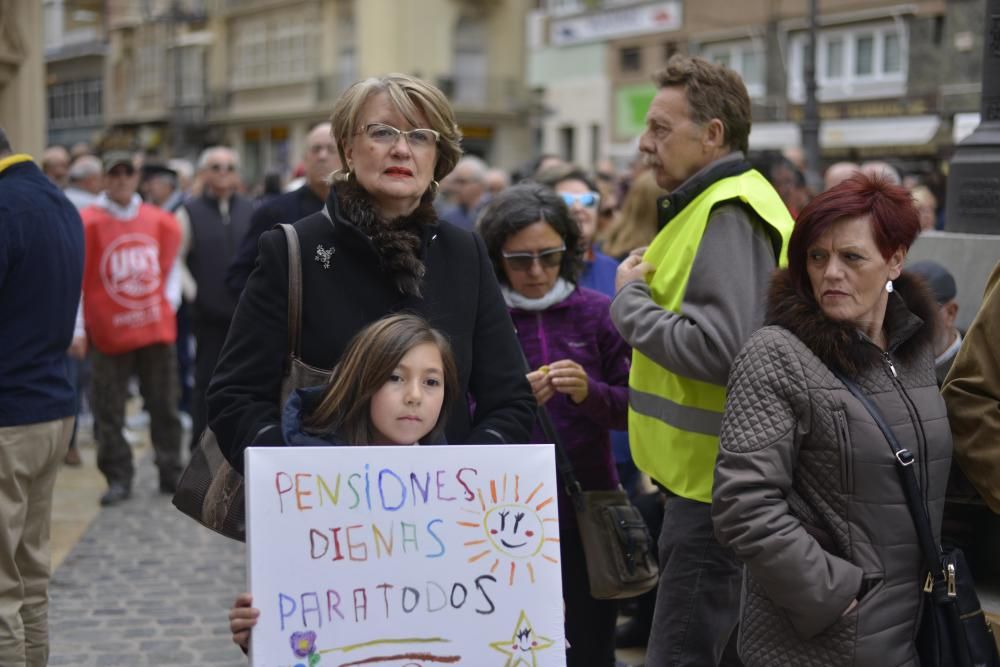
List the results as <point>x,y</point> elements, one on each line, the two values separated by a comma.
<point>719,312</point>
<point>806,490</point>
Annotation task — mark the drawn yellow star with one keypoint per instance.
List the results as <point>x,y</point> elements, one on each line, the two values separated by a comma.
<point>523,645</point>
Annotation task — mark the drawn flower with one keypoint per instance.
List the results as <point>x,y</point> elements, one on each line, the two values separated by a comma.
<point>303,643</point>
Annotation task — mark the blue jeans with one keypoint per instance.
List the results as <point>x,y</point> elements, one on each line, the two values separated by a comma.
<point>698,596</point>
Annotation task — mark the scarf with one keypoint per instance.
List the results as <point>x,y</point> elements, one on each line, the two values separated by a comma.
<point>559,292</point>
<point>398,242</point>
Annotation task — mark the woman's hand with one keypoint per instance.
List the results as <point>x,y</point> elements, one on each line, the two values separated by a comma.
<point>631,269</point>
<point>242,617</point>
<point>568,377</point>
<point>540,385</point>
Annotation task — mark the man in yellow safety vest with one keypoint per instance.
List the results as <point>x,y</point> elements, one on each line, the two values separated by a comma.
<point>686,305</point>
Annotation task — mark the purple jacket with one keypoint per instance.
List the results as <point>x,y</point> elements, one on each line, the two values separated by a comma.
<point>580,328</point>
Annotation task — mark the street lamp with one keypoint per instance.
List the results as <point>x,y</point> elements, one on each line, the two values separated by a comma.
<point>973,203</point>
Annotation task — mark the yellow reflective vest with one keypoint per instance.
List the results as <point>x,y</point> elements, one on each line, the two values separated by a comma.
<point>673,421</point>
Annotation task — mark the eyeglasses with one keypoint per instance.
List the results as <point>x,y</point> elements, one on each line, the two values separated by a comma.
<point>387,135</point>
<point>523,261</point>
<point>223,167</point>
<point>586,200</point>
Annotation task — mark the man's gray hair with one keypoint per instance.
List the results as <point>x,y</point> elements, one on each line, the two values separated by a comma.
<point>476,166</point>
<point>83,167</point>
<point>209,153</point>
<point>183,167</point>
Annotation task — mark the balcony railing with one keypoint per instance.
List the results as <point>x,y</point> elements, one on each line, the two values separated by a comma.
<point>485,94</point>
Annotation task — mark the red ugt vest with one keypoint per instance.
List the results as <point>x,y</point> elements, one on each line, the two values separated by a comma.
<point>124,273</point>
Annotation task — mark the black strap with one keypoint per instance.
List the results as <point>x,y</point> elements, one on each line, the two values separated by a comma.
<point>563,463</point>
<point>294,291</point>
<point>911,488</point>
<point>562,459</point>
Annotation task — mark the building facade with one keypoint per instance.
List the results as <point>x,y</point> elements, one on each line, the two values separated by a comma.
<point>22,70</point>
<point>896,79</point>
<point>257,74</point>
<point>75,43</point>
<point>155,76</point>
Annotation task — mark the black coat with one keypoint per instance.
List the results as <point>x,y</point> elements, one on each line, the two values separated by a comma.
<point>460,297</point>
<point>285,208</point>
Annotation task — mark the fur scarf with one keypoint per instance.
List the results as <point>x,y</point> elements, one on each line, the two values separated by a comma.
<point>398,242</point>
<point>909,324</point>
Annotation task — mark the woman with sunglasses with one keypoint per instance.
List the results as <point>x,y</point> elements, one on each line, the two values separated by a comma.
<point>579,368</point>
<point>583,200</point>
<point>376,248</point>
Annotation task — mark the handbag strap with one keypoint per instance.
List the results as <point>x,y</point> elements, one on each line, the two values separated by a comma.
<point>563,463</point>
<point>911,487</point>
<point>294,291</point>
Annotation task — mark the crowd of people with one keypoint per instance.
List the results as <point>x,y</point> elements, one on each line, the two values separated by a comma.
<point>689,324</point>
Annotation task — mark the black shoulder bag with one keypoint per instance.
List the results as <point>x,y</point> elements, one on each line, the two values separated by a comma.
<point>954,631</point>
<point>616,542</point>
<point>210,491</point>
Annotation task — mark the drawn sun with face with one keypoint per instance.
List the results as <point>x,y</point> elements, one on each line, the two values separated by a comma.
<point>514,528</point>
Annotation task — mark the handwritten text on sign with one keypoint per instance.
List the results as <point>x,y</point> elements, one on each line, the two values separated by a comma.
<point>404,556</point>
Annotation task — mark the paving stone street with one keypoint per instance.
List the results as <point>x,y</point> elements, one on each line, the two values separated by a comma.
<point>146,585</point>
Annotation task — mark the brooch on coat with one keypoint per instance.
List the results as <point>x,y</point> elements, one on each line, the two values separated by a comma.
<point>323,255</point>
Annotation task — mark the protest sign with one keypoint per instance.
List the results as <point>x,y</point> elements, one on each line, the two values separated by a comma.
<point>404,556</point>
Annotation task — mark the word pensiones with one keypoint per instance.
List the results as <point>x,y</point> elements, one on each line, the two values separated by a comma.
<point>384,490</point>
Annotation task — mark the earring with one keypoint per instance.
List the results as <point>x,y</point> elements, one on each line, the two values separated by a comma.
<point>888,286</point>
<point>434,187</point>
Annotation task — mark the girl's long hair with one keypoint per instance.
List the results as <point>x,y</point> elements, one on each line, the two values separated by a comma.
<point>370,359</point>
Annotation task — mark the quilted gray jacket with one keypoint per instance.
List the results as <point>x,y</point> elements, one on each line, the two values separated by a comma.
<point>806,491</point>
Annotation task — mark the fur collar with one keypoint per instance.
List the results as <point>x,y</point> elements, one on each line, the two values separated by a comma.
<point>909,324</point>
<point>399,243</point>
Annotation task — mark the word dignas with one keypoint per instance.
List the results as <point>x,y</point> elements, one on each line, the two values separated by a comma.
<point>372,490</point>
<point>375,541</point>
<point>313,609</point>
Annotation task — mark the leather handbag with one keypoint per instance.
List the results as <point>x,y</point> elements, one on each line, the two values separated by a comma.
<point>954,631</point>
<point>210,490</point>
<point>617,545</point>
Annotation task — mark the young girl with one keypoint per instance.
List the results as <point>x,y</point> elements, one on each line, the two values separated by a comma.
<point>393,386</point>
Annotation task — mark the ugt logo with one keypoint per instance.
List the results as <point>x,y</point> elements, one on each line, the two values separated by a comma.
<point>130,271</point>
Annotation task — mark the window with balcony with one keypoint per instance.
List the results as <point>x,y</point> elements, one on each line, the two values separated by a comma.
<point>75,103</point>
<point>745,57</point>
<point>150,75</point>
<point>276,48</point>
<point>192,76</point>
<point>347,60</point>
<point>563,7</point>
<point>471,68</point>
<point>859,62</point>
<point>630,59</point>
<point>567,143</point>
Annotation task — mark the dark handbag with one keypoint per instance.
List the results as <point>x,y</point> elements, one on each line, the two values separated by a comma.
<point>954,631</point>
<point>211,491</point>
<point>616,542</point>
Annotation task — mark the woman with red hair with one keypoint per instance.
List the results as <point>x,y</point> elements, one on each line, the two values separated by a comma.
<point>805,487</point>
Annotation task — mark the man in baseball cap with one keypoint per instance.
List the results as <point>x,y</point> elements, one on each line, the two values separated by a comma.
<point>947,338</point>
<point>114,158</point>
<point>130,324</point>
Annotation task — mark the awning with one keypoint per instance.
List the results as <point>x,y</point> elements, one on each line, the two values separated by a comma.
<point>963,125</point>
<point>850,133</point>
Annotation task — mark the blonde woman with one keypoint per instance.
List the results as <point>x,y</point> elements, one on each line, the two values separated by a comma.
<point>637,221</point>
<point>376,248</point>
